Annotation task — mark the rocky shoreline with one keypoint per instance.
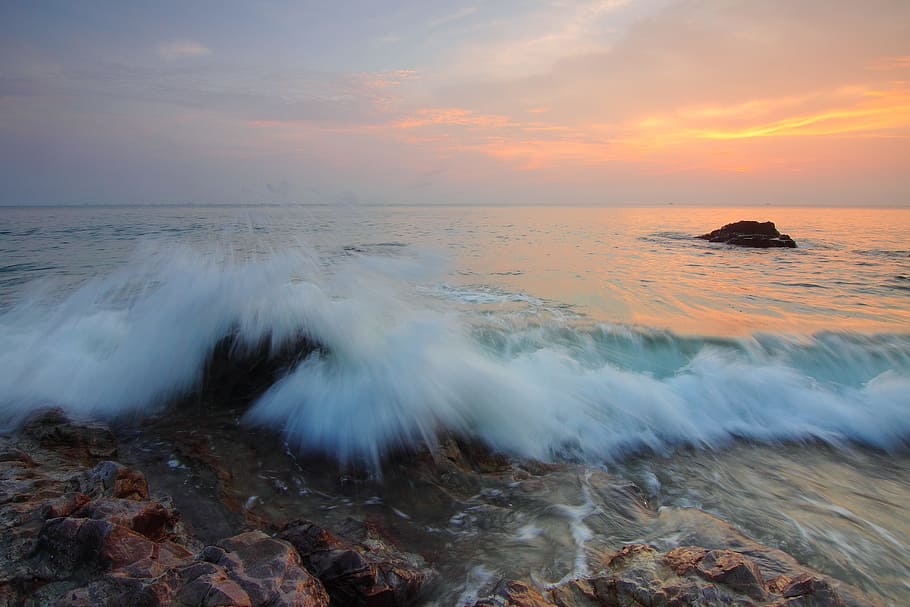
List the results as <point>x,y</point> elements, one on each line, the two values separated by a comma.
<point>77,528</point>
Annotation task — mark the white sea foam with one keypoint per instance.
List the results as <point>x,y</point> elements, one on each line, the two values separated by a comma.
<point>400,365</point>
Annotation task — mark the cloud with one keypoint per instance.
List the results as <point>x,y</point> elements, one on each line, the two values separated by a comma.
<point>180,49</point>
<point>452,17</point>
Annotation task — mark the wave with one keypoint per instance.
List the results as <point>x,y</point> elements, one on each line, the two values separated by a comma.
<point>401,362</point>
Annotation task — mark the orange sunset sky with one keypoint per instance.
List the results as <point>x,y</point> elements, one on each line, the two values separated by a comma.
<point>548,102</point>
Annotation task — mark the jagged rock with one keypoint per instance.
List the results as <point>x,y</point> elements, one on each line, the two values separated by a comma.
<point>750,234</point>
<point>268,570</point>
<point>115,590</point>
<point>206,584</point>
<point>68,546</point>
<point>367,573</point>
<point>510,593</point>
<point>115,480</point>
<point>811,591</point>
<point>148,518</point>
<point>688,576</point>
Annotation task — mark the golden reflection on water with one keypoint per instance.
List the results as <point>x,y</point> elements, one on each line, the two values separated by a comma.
<point>642,266</point>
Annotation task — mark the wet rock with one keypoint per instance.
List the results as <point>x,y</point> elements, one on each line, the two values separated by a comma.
<point>370,572</point>
<point>16,457</point>
<point>268,570</point>
<point>111,590</point>
<point>750,234</point>
<point>639,574</point>
<point>684,558</point>
<point>811,591</point>
<point>64,505</point>
<point>575,593</point>
<point>206,584</point>
<point>510,593</point>
<point>115,480</point>
<point>147,518</point>
<point>52,429</point>
<point>734,571</point>
<point>236,373</point>
<point>69,546</point>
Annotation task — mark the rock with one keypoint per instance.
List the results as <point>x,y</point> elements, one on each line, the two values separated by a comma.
<point>236,373</point>
<point>16,456</point>
<point>51,429</point>
<point>510,593</point>
<point>811,591</point>
<point>684,558</point>
<point>206,584</point>
<point>686,576</point>
<point>115,480</point>
<point>147,518</point>
<point>110,590</point>
<point>268,570</point>
<point>575,593</point>
<point>371,572</point>
<point>750,234</point>
<point>64,505</point>
<point>734,571</point>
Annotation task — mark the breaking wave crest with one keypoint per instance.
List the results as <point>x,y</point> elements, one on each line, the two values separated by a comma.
<point>400,363</point>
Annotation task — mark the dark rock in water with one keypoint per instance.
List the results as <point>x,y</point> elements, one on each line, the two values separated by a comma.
<point>370,572</point>
<point>762,235</point>
<point>237,373</point>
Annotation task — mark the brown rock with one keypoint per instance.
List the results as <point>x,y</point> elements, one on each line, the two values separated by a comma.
<point>148,518</point>
<point>629,551</point>
<point>777,584</point>
<point>810,591</point>
<point>52,429</point>
<point>575,593</point>
<point>510,593</point>
<point>733,570</point>
<point>684,558</point>
<point>212,587</point>
<point>116,480</point>
<point>64,505</point>
<point>370,572</point>
<point>267,569</point>
<point>111,590</point>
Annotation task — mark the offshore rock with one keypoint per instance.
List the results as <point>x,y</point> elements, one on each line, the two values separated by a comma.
<point>757,234</point>
<point>369,572</point>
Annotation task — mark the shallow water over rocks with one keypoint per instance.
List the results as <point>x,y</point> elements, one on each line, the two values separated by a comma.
<point>479,518</point>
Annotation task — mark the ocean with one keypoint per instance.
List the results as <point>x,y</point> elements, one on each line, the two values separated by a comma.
<point>769,388</point>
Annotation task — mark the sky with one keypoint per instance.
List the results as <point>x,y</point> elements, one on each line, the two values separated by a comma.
<point>588,102</point>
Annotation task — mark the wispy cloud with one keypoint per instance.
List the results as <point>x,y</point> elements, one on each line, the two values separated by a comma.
<point>452,17</point>
<point>180,49</point>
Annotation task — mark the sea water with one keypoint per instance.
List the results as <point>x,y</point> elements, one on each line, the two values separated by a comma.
<point>606,337</point>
